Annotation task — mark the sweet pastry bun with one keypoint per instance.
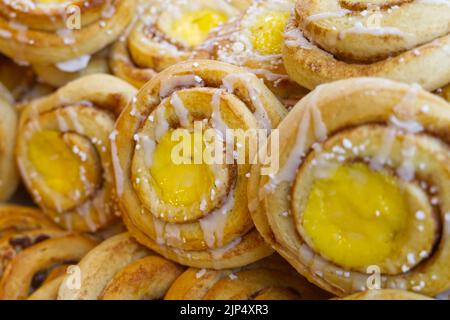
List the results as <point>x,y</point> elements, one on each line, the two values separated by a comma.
<point>407,41</point>
<point>121,269</point>
<point>20,274</point>
<point>194,214</point>
<point>63,151</point>
<point>166,32</point>
<point>254,41</point>
<point>52,32</point>
<point>361,196</point>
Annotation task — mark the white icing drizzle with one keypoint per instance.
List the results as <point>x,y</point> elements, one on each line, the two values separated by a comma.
<point>148,146</point>
<point>213,225</point>
<point>294,38</point>
<point>410,126</point>
<point>216,116</point>
<point>260,111</point>
<point>162,126</point>
<point>407,123</point>
<point>74,65</point>
<point>116,163</point>
<point>200,273</point>
<point>306,254</point>
<point>84,211</point>
<point>384,152</point>
<point>311,112</point>
<point>159,227</point>
<point>172,231</point>
<point>176,82</point>
<point>376,31</point>
<point>62,124</point>
<point>180,110</point>
<point>407,170</point>
<point>325,15</point>
<point>75,121</point>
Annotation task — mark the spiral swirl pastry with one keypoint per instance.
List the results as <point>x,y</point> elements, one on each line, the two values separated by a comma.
<point>9,177</point>
<point>25,269</point>
<point>387,294</point>
<point>121,269</point>
<point>361,197</point>
<point>192,213</point>
<point>254,40</point>
<point>60,74</point>
<point>21,228</point>
<point>166,32</point>
<point>269,279</point>
<point>406,41</point>
<point>64,153</point>
<point>51,32</point>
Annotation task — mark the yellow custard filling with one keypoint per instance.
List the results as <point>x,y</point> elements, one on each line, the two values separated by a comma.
<point>54,160</point>
<point>179,184</point>
<point>193,27</point>
<point>355,216</point>
<point>267,33</point>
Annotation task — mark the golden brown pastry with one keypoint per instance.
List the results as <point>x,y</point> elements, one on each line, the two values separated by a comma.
<point>63,151</point>
<point>269,279</point>
<point>26,269</point>
<point>166,32</point>
<point>21,227</point>
<point>121,269</point>
<point>387,294</point>
<point>9,177</point>
<point>53,32</point>
<point>361,199</point>
<point>407,41</point>
<point>195,214</point>
<point>254,40</point>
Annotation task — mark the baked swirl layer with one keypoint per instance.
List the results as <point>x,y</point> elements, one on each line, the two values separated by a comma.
<point>51,32</point>
<point>121,269</point>
<point>407,41</point>
<point>192,213</point>
<point>164,33</point>
<point>9,178</point>
<point>269,279</point>
<point>22,273</point>
<point>254,40</point>
<point>33,251</point>
<point>362,195</point>
<point>64,155</point>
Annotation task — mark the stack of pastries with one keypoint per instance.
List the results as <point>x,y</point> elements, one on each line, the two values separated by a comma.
<point>352,98</point>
